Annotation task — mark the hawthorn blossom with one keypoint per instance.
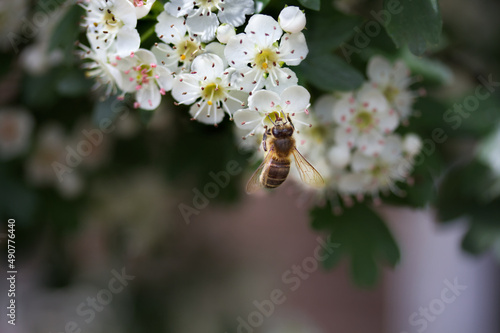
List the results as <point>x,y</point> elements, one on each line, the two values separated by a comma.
<point>179,48</point>
<point>370,175</point>
<point>204,16</point>
<point>225,32</point>
<point>111,26</point>
<point>142,7</point>
<point>259,53</point>
<point>101,69</point>
<point>208,86</point>
<point>143,77</point>
<point>393,81</point>
<point>265,104</point>
<point>292,19</point>
<point>364,118</point>
<point>16,126</point>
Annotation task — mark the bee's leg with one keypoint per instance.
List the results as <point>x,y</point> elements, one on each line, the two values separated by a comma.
<point>290,120</point>
<point>264,138</point>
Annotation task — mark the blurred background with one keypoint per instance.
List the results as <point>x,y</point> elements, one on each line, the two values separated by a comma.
<point>112,234</point>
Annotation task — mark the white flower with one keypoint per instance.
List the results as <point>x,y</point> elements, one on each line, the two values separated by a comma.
<point>363,120</point>
<point>264,103</point>
<point>142,7</point>
<point>143,76</point>
<point>203,16</point>
<point>179,48</point>
<point>292,19</point>
<point>16,126</point>
<point>209,87</point>
<point>258,57</point>
<point>393,81</point>
<point>373,174</point>
<point>225,32</point>
<point>111,26</point>
<point>412,144</point>
<point>101,69</point>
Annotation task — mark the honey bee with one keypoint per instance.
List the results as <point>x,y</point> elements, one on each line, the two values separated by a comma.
<point>279,144</point>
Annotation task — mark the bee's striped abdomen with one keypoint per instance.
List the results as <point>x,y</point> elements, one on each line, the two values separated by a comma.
<point>275,173</point>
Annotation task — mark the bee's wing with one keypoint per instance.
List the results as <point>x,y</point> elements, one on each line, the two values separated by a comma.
<point>254,183</point>
<point>307,172</point>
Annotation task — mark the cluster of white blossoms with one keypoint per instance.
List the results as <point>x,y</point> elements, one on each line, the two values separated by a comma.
<point>355,145</point>
<point>198,56</point>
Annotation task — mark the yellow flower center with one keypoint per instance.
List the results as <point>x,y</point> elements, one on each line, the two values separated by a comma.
<point>213,92</point>
<point>266,58</point>
<point>364,120</point>
<point>390,93</point>
<point>188,50</point>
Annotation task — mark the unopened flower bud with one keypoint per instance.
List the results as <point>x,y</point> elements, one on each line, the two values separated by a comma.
<point>225,32</point>
<point>292,19</point>
<point>412,144</point>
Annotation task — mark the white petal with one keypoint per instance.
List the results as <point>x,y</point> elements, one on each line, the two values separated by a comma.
<point>388,121</point>
<point>127,41</point>
<point>145,57</point>
<point>293,48</point>
<point>218,49</point>
<point>185,88</point>
<point>171,29</point>
<point>248,79</point>
<point>264,101</point>
<point>403,103</point>
<point>208,65</point>
<point>165,79</point>
<point>240,51</point>
<point>263,29</point>
<point>346,136</point>
<point>125,12</point>
<point>203,26</point>
<point>412,144</point>
<point>247,119</point>
<point>371,143</point>
<point>179,8</point>
<point>339,156</point>
<point>353,183</point>
<point>141,11</point>
<point>295,99</point>
<point>166,56</point>
<point>361,162</point>
<point>234,11</point>
<point>236,101</point>
<point>400,75</point>
<point>200,112</point>
<point>148,96</point>
<point>372,99</point>
<point>393,149</point>
<point>344,109</point>
<point>379,71</point>
<point>280,78</point>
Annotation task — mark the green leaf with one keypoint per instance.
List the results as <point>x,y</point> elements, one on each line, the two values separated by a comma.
<point>416,23</point>
<point>66,32</point>
<point>73,83</point>
<point>362,236</point>
<point>311,4</point>
<point>328,72</point>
